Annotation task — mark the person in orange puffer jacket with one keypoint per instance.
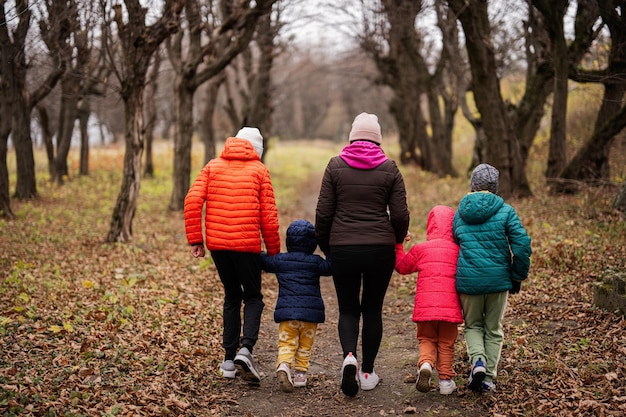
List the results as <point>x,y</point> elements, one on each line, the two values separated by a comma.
<point>240,216</point>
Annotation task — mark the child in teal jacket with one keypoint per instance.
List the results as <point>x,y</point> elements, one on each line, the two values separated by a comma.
<point>494,258</point>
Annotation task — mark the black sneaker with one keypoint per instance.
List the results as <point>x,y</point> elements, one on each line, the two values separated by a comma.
<point>349,382</point>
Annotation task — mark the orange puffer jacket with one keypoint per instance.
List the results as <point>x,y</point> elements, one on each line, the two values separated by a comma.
<point>240,203</point>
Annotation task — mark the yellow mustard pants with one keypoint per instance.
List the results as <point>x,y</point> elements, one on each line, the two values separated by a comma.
<point>295,341</point>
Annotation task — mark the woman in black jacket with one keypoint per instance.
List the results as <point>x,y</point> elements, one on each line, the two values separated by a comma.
<point>361,214</point>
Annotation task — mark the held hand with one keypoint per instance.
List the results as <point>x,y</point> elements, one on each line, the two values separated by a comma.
<point>517,286</point>
<point>197,251</point>
<point>407,237</point>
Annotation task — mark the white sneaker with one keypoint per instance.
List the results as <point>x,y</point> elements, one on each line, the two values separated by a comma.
<point>423,377</point>
<point>446,386</point>
<point>299,379</point>
<point>368,381</point>
<point>227,369</point>
<point>283,373</point>
<point>349,382</point>
<point>245,363</point>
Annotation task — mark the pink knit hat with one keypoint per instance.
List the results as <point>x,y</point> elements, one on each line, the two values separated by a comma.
<point>365,127</point>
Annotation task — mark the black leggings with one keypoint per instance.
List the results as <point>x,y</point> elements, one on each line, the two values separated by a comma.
<point>353,266</point>
<point>240,273</point>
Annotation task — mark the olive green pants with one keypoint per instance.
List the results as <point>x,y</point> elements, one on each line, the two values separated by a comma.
<point>484,333</point>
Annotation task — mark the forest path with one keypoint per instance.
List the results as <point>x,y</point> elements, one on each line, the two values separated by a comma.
<point>396,362</point>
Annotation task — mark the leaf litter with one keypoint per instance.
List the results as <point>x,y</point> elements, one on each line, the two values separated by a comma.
<point>89,328</point>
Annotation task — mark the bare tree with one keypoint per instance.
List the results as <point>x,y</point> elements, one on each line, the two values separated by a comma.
<point>230,27</point>
<point>503,149</point>
<point>591,162</point>
<point>138,41</point>
<point>19,99</point>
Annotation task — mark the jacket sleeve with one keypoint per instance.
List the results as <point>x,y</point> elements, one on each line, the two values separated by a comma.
<point>521,250</point>
<point>325,211</point>
<point>325,267</point>
<point>194,201</point>
<point>398,208</point>
<point>269,216</point>
<point>406,263</point>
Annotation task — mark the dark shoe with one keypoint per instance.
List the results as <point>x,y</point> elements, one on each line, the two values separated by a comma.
<point>477,376</point>
<point>349,382</point>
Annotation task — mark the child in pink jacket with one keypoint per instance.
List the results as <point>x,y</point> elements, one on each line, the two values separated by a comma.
<point>437,309</point>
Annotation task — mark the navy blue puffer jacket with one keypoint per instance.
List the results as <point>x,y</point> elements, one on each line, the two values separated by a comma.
<point>298,272</point>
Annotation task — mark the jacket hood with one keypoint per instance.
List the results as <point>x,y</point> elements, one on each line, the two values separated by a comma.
<point>301,237</point>
<point>478,207</point>
<point>439,223</point>
<point>237,148</point>
<point>362,154</point>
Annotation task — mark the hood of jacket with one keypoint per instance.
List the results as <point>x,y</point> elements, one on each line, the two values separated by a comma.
<point>362,154</point>
<point>478,207</point>
<point>301,237</point>
<point>439,223</point>
<point>237,148</point>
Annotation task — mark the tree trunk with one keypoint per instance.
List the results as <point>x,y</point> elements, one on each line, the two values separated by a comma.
<point>26,187</point>
<point>67,118</point>
<point>206,125</point>
<point>590,161</point>
<point>620,199</point>
<point>553,13</point>
<point>121,229</point>
<point>182,145</point>
<point>5,200</point>
<point>44,124</point>
<point>83,123</point>
<point>150,102</point>
<point>503,150</point>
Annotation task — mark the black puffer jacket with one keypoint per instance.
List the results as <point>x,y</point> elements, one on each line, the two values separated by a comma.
<point>362,200</point>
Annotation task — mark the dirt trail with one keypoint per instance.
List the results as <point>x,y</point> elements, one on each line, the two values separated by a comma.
<point>396,362</point>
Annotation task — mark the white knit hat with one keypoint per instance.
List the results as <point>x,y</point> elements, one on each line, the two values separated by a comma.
<point>365,127</point>
<point>253,135</point>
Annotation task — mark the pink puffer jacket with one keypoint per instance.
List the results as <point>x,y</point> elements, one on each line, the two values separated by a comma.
<point>435,260</point>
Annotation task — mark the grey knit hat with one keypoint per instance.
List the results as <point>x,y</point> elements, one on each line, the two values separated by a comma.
<point>484,178</point>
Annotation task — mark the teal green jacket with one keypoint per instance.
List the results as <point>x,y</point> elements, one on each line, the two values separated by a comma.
<point>494,245</point>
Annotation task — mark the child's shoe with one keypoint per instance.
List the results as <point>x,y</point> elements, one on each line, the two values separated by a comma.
<point>299,379</point>
<point>368,381</point>
<point>349,382</point>
<point>447,386</point>
<point>477,376</point>
<point>228,369</point>
<point>245,363</point>
<point>489,387</point>
<point>283,373</point>
<point>423,377</point>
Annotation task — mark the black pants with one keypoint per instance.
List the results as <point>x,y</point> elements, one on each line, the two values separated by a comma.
<point>240,273</point>
<point>371,267</point>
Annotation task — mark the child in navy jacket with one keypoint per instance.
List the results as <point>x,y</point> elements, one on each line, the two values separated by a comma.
<point>300,306</point>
